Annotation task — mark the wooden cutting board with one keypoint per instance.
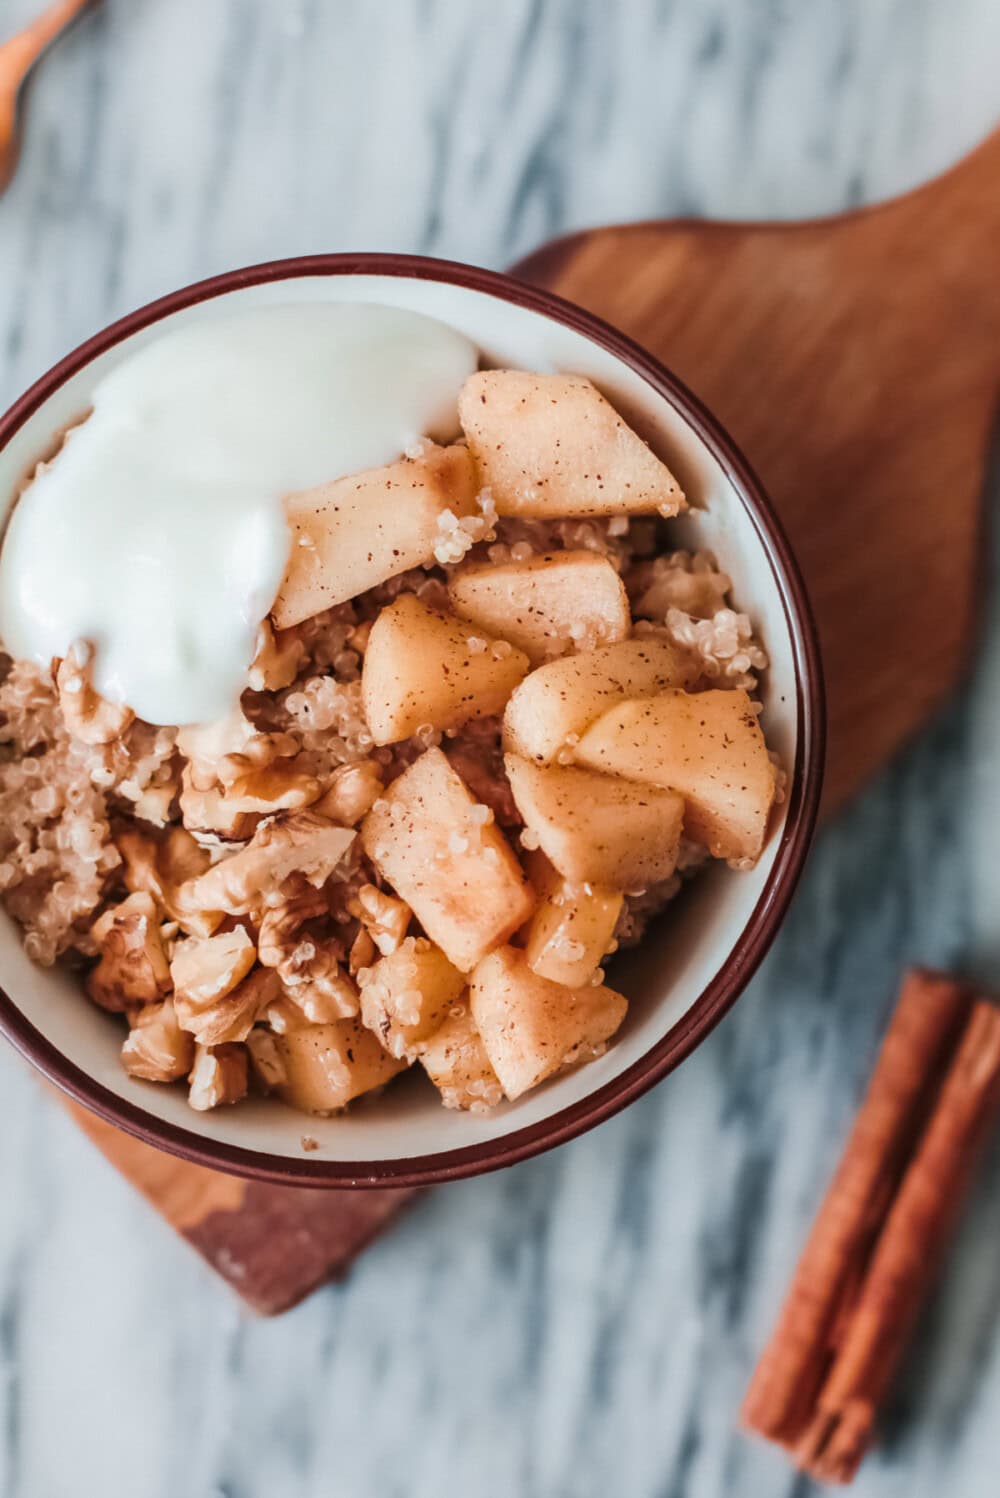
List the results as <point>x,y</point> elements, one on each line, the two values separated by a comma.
<point>857,362</point>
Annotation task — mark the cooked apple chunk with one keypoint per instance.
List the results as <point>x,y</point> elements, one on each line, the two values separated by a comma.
<point>706,745</point>
<point>406,996</point>
<point>325,1066</point>
<point>357,531</point>
<point>532,1027</point>
<point>557,702</point>
<point>547,604</point>
<point>598,829</point>
<point>550,445</point>
<point>455,1059</point>
<point>573,926</point>
<point>424,666</point>
<point>441,852</point>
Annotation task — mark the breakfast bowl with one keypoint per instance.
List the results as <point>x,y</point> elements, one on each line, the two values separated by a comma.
<point>695,958</point>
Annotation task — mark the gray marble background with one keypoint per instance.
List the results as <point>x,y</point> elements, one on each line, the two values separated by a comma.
<point>585,1324</point>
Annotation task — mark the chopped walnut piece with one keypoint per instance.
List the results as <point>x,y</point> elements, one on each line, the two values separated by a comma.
<point>383,916</point>
<point>205,969</point>
<point>89,716</point>
<point>157,1049</point>
<point>322,989</point>
<point>207,812</point>
<point>219,1076</point>
<point>235,775</point>
<point>275,787</point>
<point>266,1059</point>
<point>283,1015</point>
<point>219,753</point>
<point>280,925</point>
<point>234,810</point>
<point>308,964</point>
<point>301,842</point>
<point>161,863</point>
<point>133,966</point>
<point>351,792</point>
<point>326,995</point>
<point>233,1016</point>
<point>280,653</point>
<point>362,953</point>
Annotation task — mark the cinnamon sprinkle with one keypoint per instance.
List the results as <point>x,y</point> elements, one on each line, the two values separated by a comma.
<point>879,1233</point>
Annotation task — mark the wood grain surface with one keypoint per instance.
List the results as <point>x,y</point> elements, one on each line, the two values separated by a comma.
<point>272,1244</point>
<point>856,360</point>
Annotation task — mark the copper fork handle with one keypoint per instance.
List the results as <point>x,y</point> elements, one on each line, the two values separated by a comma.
<point>18,57</point>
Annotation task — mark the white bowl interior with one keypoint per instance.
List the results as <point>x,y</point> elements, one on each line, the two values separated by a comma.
<point>687,946</point>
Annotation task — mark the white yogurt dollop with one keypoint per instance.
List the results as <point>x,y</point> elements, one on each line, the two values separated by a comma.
<point>158,534</point>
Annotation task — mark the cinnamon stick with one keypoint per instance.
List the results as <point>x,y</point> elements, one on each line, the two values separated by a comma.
<point>868,1260</point>
<point>920,1038</point>
<point>907,1255</point>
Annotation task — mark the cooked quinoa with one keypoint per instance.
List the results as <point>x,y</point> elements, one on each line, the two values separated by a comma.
<point>60,798</point>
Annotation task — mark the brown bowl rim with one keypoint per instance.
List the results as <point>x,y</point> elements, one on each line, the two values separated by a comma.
<point>803,792</point>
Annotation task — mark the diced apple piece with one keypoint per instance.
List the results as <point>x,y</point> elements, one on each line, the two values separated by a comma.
<point>532,1027</point>
<point>561,699</point>
<point>547,604</point>
<point>706,745</point>
<point>437,847</point>
<point>325,1066</point>
<point>357,531</point>
<point>598,829</point>
<point>455,1059</point>
<point>573,926</point>
<point>423,666</point>
<point>551,445</point>
<point>405,997</point>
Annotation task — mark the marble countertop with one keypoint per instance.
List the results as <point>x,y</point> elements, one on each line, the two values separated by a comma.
<point>584,1324</point>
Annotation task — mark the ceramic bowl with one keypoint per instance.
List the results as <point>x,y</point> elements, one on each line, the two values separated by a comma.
<point>696,959</point>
